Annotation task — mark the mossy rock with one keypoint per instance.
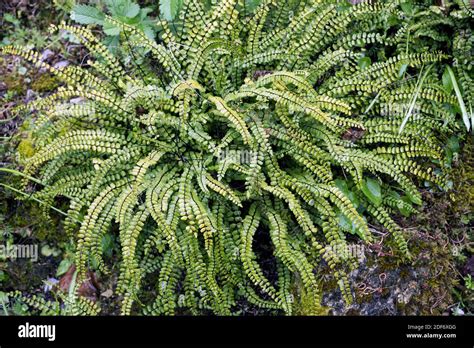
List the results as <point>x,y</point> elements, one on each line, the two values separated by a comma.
<point>25,148</point>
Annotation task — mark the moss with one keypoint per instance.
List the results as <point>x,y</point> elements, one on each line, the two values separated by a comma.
<point>25,148</point>
<point>43,228</point>
<point>307,301</point>
<point>30,217</point>
<point>434,296</point>
<point>24,274</point>
<point>360,299</point>
<point>15,83</point>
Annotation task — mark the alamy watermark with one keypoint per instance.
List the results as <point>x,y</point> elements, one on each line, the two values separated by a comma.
<point>401,109</point>
<point>19,251</point>
<point>346,251</point>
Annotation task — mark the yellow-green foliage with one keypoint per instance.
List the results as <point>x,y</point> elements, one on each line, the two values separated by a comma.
<point>25,148</point>
<point>148,149</point>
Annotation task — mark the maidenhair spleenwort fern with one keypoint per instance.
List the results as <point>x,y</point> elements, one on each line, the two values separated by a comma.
<point>236,127</point>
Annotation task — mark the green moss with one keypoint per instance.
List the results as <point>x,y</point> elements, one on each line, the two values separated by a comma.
<point>43,228</point>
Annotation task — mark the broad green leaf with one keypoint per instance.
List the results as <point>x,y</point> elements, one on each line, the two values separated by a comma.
<point>345,223</point>
<point>447,83</point>
<point>343,6</point>
<point>251,5</point>
<point>403,69</point>
<point>112,43</point>
<point>132,10</point>
<point>144,13</point>
<point>407,7</point>
<point>20,308</point>
<point>148,30</point>
<point>414,199</point>
<point>11,19</point>
<point>107,244</point>
<point>371,189</point>
<point>111,29</point>
<point>342,185</point>
<point>3,297</point>
<point>452,148</point>
<point>123,8</point>
<point>85,14</point>
<point>63,267</point>
<point>394,194</point>
<point>453,143</point>
<point>353,197</point>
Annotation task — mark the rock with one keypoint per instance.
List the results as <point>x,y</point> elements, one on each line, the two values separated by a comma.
<point>77,100</point>
<point>405,296</point>
<point>30,95</point>
<point>107,294</point>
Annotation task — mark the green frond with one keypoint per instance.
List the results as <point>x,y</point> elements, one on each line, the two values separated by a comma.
<point>236,128</point>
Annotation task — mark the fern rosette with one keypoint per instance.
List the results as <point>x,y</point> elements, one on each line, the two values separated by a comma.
<point>236,129</point>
